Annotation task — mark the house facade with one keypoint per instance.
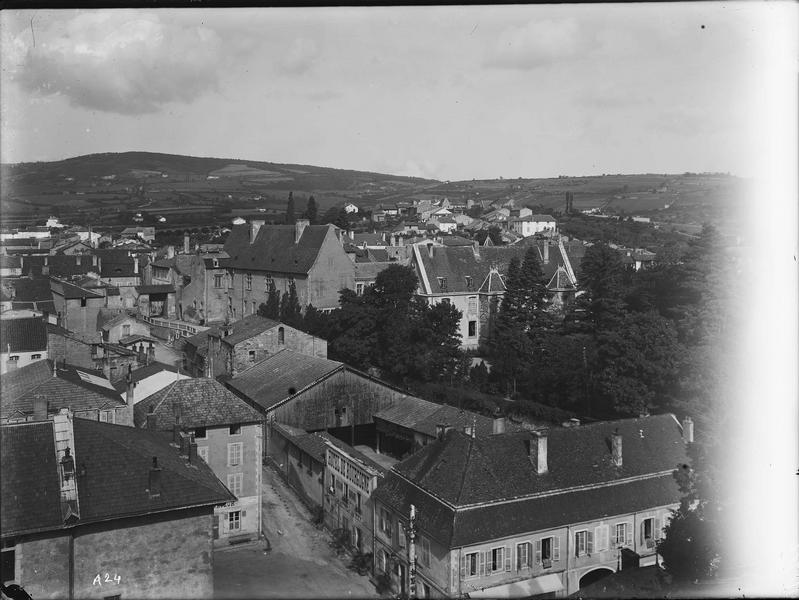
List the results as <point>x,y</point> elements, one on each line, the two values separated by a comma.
<point>205,298</point>
<point>311,257</point>
<point>94,510</point>
<point>22,341</point>
<point>530,224</point>
<point>228,436</point>
<point>529,513</point>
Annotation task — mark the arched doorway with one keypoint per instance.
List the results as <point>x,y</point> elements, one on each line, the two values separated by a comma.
<point>593,577</point>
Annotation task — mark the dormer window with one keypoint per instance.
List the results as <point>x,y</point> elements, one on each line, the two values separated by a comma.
<point>469,281</point>
<point>216,263</point>
<point>442,283</point>
<point>67,466</point>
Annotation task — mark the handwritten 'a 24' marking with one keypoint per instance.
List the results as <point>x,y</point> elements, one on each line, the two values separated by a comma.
<point>98,580</point>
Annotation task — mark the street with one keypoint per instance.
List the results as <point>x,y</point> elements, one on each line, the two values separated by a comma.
<point>300,563</point>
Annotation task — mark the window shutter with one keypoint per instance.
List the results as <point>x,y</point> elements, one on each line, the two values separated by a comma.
<point>643,530</point>
<point>556,548</point>
<point>538,552</point>
<point>464,560</point>
<point>215,527</point>
<point>589,542</point>
<point>657,532</point>
<point>507,558</point>
<point>629,531</point>
<point>243,514</point>
<point>482,557</point>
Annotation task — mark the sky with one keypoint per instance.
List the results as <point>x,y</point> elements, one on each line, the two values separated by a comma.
<point>444,92</point>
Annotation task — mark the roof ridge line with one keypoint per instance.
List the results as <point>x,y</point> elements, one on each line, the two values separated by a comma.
<point>468,462</point>
<point>163,399</point>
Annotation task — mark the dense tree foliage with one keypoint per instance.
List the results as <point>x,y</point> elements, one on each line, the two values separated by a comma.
<point>271,308</point>
<point>290,216</point>
<point>311,210</point>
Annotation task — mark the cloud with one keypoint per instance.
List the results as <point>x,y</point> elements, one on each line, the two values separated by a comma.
<point>118,61</point>
<point>300,57</point>
<point>537,44</point>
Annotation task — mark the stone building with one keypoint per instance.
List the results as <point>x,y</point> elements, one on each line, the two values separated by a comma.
<point>96,510</point>
<point>531,512</point>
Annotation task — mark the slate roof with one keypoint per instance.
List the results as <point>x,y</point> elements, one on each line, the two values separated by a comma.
<point>370,239</point>
<point>310,443</point>
<point>70,291</point>
<point>31,289</point>
<point>109,317</point>
<point>270,381</point>
<point>117,462</point>
<point>75,388</point>
<point>202,403</point>
<point>23,335</point>
<point>274,248</point>
<point>462,470</point>
<point>118,269</point>
<point>155,289</point>
<point>143,373</point>
<point>456,240</point>
<point>245,328</point>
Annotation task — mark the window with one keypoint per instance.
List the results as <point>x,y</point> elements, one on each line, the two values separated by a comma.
<point>622,535</point>
<point>126,329</point>
<point>424,553</point>
<point>357,500</point>
<point>547,551</point>
<point>235,430</point>
<point>470,568</point>
<point>217,281</point>
<point>583,543</point>
<point>253,308</point>
<point>472,328</point>
<point>36,356</point>
<point>385,522</point>
<point>234,520</point>
<point>497,562</point>
<point>268,282</point>
<point>442,283</point>
<point>106,416</point>
<point>359,289</point>
<point>601,538</point>
<point>83,302</point>
<point>401,535</point>
<point>425,590</point>
<point>346,494</point>
<point>649,532</point>
<point>251,355</point>
<point>13,358</point>
<point>235,482</point>
<point>202,452</point>
<point>469,283</point>
<point>382,561</point>
<point>199,433</point>
<point>215,263</point>
<point>472,305</point>
<point>234,454</point>
<point>9,559</point>
<point>248,281</point>
<point>281,335</point>
<point>523,556</point>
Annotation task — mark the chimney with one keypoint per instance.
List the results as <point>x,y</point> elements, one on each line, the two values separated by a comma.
<point>136,264</point>
<point>546,252</point>
<point>129,387</point>
<point>616,448</point>
<point>299,227</point>
<point>476,249</point>
<point>688,430</point>
<point>185,440</point>
<point>537,450</point>
<point>186,247</point>
<point>499,425</point>
<point>430,249</point>
<point>170,251</point>
<point>192,450</point>
<point>255,226</point>
<point>441,430</point>
<point>154,482</point>
<point>40,409</point>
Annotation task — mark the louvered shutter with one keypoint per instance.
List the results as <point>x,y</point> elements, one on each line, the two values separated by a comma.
<point>507,558</point>
<point>657,531</point>
<point>589,542</point>
<point>464,560</point>
<point>556,548</point>
<point>482,556</point>
<point>629,531</point>
<point>538,552</point>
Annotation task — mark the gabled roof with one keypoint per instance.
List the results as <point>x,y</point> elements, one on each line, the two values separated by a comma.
<point>70,291</point>
<point>116,462</point>
<point>244,329</point>
<point>110,317</point>
<point>72,387</point>
<point>123,268</point>
<point>281,376</point>
<point>23,335</point>
<point>142,373</point>
<point>201,402</point>
<point>462,470</point>
<point>31,289</point>
<point>274,249</point>
<point>370,239</point>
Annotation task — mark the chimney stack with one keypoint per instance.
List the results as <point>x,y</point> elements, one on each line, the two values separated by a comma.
<point>688,430</point>
<point>616,448</point>
<point>441,429</point>
<point>499,425</point>
<point>186,247</point>
<point>129,387</point>
<point>136,265</point>
<point>299,227</point>
<point>537,450</point>
<point>192,450</point>
<point>430,249</point>
<point>255,225</point>
<point>155,480</point>
<point>476,248</point>
<point>40,409</point>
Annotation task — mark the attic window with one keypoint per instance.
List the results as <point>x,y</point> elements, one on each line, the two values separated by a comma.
<point>442,283</point>
<point>468,281</point>
<point>216,263</point>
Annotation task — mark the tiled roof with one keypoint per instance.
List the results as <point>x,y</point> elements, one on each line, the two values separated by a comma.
<point>245,328</point>
<point>118,269</point>
<point>70,291</point>
<point>310,443</point>
<point>272,380</point>
<point>30,492</point>
<point>23,335</point>
<point>143,373</point>
<point>368,271</point>
<point>274,248</point>
<point>132,339</point>
<point>408,412</point>
<point>495,521</point>
<point>370,239</point>
<point>462,470</point>
<point>456,240</point>
<point>155,289</point>
<point>75,388</point>
<point>202,403</point>
<point>109,317</point>
<point>31,289</point>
